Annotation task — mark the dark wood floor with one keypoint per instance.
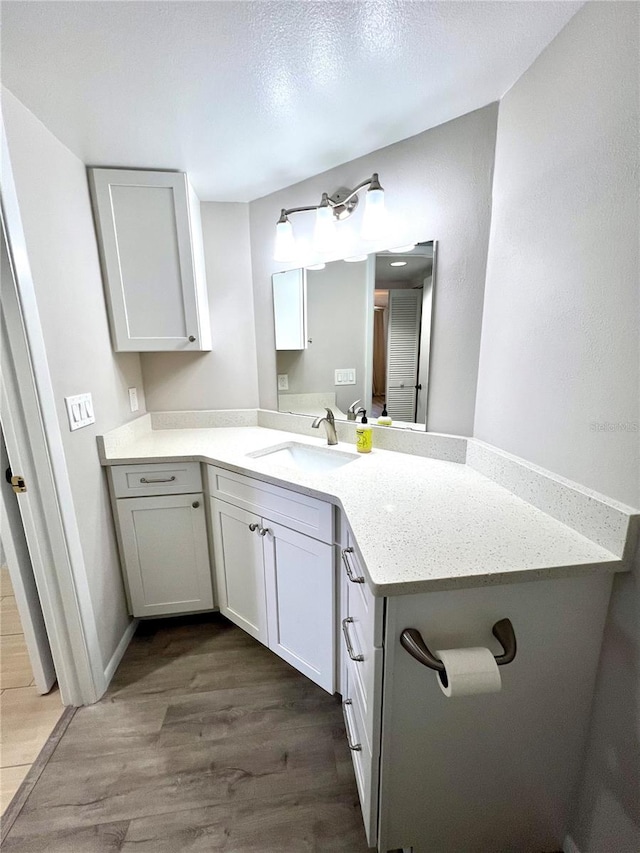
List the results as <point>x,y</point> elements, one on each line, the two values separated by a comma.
<point>206,741</point>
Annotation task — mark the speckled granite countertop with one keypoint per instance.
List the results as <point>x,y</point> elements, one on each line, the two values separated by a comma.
<point>420,524</point>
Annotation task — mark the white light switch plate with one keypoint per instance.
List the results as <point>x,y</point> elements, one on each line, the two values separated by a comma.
<point>133,399</point>
<point>80,411</point>
<point>283,382</point>
<point>345,376</point>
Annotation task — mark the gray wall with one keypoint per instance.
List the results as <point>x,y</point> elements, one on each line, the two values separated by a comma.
<point>560,337</point>
<point>225,378</point>
<point>53,194</point>
<point>337,319</point>
<point>438,187</point>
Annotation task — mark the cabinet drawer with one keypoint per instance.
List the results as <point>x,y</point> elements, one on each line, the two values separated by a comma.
<point>364,676</point>
<point>156,478</point>
<point>364,765</point>
<point>362,606</point>
<point>297,512</point>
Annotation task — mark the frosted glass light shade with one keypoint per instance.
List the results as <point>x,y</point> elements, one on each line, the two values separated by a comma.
<point>374,220</point>
<point>324,235</point>
<point>285,247</point>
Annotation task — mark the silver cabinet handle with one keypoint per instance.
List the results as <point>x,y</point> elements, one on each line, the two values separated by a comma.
<point>263,531</point>
<point>253,527</point>
<point>355,747</point>
<point>345,630</point>
<point>191,339</point>
<point>350,573</point>
<point>165,480</point>
<point>195,504</point>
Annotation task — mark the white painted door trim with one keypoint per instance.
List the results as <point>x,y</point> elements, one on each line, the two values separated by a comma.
<point>23,583</point>
<point>34,444</point>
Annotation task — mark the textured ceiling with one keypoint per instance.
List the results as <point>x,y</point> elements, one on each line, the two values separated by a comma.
<point>250,97</point>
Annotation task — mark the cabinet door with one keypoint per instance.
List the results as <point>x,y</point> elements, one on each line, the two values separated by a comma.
<point>166,556</point>
<point>153,269</point>
<point>239,568</point>
<point>290,309</point>
<point>300,602</point>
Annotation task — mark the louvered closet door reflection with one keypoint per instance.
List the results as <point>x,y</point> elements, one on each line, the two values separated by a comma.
<point>403,351</point>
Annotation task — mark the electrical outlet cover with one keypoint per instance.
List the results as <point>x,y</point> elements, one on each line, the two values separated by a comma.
<point>283,382</point>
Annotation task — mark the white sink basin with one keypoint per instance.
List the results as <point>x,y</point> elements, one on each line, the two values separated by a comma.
<point>302,457</point>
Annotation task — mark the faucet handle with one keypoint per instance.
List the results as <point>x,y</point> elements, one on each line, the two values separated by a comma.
<point>352,407</point>
<point>330,416</point>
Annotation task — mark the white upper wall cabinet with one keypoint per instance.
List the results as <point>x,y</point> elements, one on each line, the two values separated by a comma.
<point>150,238</point>
<point>290,309</point>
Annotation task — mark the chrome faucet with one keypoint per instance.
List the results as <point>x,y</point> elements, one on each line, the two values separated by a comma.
<point>352,411</point>
<point>329,422</point>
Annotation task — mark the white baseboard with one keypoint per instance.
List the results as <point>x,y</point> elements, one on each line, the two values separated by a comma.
<point>121,648</point>
<point>570,845</point>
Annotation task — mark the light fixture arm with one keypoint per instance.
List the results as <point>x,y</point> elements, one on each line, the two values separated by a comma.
<point>373,183</point>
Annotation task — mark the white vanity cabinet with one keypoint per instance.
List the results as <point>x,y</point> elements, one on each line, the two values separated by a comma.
<point>475,773</point>
<point>361,665</point>
<point>239,564</point>
<point>274,569</point>
<point>162,533</point>
<point>150,239</point>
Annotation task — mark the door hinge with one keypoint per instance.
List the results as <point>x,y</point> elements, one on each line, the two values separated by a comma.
<point>18,484</point>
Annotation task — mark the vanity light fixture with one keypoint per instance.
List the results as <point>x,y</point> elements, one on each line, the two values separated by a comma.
<point>316,267</point>
<point>332,209</point>
<point>398,264</point>
<point>355,259</point>
<point>285,248</point>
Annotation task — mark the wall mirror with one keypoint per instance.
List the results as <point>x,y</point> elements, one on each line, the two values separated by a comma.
<point>358,329</point>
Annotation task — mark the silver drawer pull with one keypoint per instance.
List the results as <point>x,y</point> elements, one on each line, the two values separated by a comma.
<point>253,527</point>
<point>165,480</point>
<point>350,573</point>
<point>263,531</point>
<point>353,746</point>
<point>347,639</point>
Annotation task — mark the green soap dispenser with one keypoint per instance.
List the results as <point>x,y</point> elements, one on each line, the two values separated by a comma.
<point>364,439</point>
<point>384,419</point>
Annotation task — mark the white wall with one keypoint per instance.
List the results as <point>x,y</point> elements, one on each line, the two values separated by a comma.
<point>336,325</point>
<point>560,337</point>
<point>53,195</point>
<point>225,378</point>
<point>438,187</point>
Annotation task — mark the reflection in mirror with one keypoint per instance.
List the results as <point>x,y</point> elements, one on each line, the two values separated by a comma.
<point>355,334</point>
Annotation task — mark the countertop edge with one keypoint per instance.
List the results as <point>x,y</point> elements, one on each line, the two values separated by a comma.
<point>478,581</point>
<point>408,587</point>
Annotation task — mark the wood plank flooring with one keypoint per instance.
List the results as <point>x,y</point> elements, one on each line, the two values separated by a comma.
<point>26,718</point>
<point>205,741</point>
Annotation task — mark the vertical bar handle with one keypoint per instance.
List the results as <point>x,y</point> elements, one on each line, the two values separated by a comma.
<point>347,639</point>
<point>353,577</point>
<point>353,746</point>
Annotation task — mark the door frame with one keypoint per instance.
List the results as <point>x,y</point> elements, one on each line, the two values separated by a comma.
<point>27,600</point>
<point>34,444</point>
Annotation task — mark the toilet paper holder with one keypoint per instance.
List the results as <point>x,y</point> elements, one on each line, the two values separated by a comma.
<point>411,640</point>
